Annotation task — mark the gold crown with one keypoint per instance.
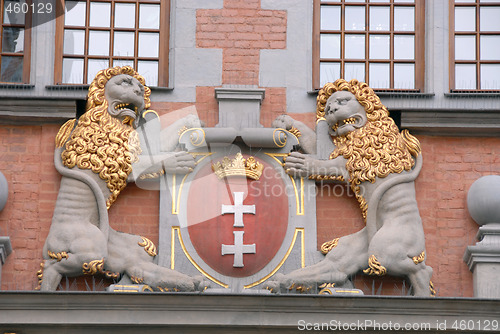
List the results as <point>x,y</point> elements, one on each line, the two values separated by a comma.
<point>239,166</point>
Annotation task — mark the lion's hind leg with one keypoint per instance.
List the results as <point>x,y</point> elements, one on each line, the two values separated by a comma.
<point>344,260</point>
<point>399,253</point>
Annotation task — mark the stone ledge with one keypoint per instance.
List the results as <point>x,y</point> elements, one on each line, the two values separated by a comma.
<point>36,111</point>
<point>481,123</point>
<point>35,312</point>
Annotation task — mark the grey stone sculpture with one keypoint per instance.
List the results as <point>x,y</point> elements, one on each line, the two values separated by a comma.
<point>95,156</point>
<point>380,164</point>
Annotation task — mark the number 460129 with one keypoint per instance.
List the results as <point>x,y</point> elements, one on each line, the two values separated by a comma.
<point>24,8</point>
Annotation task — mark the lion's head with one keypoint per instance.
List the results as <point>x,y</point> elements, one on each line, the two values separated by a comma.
<point>364,134</point>
<point>104,139</point>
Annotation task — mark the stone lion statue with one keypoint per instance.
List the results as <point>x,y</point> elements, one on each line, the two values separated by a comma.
<point>95,156</point>
<point>380,164</point>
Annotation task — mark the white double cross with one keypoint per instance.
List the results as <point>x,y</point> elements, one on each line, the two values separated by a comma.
<point>238,249</point>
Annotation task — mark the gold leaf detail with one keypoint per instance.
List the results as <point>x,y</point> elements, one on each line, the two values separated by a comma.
<point>375,268</point>
<point>39,275</point>
<point>93,267</point>
<point>137,280</point>
<point>149,246</point>
<point>182,130</point>
<point>317,177</point>
<point>239,166</point>
<point>329,245</point>
<point>432,289</point>
<point>57,256</point>
<point>296,132</point>
<point>419,258</point>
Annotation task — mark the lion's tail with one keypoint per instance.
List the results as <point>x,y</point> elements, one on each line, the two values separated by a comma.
<point>411,143</point>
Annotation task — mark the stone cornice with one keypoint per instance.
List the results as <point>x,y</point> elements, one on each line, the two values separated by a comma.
<point>42,312</point>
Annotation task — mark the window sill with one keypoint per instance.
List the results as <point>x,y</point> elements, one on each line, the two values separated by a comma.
<point>16,86</point>
<point>392,94</point>
<point>468,94</point>
<point>86,87</point>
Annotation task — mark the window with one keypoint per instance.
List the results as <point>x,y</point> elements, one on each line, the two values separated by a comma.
<point>15,42</point>
<point>475,45</point>
<point>96,34</point>
<point>380,42</point>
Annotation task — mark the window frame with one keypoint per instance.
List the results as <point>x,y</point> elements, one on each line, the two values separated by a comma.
<point>476,33</point>
<point>26,47</point>
<point>163,47</point>
<point>419,33</point>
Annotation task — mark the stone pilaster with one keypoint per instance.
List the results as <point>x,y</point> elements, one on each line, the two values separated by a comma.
<point>483,258</point>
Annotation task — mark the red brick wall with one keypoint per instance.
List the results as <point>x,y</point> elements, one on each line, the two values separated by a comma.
<point>241,29</point>
<point>451,165</point>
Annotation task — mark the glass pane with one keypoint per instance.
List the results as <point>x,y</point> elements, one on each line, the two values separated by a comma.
<point>465,47</point>
<point>148,44</point>
<point>329,46</point>
<point>379,75</point>
<point>380,18</point>
<point>465,76</point>
<point>118,62</point>
<point>330,18</point>
<point>149,16</point>
<point>94,66</point>
<point>124,44</point>
<point>379,0</point>
<point>469,1</point>
<point>12,69</point>
<point>72,71</point>
<point>13,40</point>
<point>380,46</point>
<point>10,15</point>
<point>490,47</point>
<point>149,70</point>
<point>404,47</point>
<point>354,18</point>
<point>490,18</point>
<point>75,13</point>
<point>490,76</point>
<point>406,1</point>
<point>328,72</point>
<point>354,71</point>
<point>404,76</point>
<point>99,43</point>
<point>465,19</point>
<point>404,18</point>
<point>74,42</point>
<point>355,46</point>
<point>330,0</point>
<point>100,14</point>
<point>125,15</point>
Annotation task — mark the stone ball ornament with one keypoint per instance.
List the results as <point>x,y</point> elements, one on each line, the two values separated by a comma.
<point>4,191</point>
<point>483,200</point>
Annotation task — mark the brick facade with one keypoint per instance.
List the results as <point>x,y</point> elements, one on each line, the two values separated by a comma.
<point>242,29</point>
<point>451,165</point>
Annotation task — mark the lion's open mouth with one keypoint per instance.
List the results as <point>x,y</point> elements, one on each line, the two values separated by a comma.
<point>350,120</point>
<point>126,106</point>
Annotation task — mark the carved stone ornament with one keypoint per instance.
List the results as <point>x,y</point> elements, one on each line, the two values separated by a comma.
<point>116,141</point>
<point>380,164</point>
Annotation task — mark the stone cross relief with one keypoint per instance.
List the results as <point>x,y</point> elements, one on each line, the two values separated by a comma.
<point>238,249</point>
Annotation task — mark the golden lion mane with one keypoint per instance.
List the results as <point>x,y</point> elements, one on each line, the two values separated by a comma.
<point>375,150</point>
<point>100,142</point>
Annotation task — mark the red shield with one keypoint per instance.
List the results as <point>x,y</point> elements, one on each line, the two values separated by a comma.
<point>209,229</point>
